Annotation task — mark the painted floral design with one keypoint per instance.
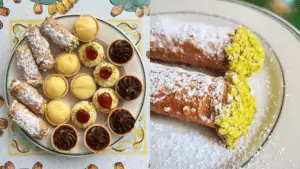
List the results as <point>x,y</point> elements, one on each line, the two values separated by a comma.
<point>140,7</point>
<point>3,12</point>
<point>54,6</point>
<point>137,35</point>
<point>10,165</point>
<point>119,165</point>
<point>1,101</point>
<point>92,166</point>
<point>3,125</point>
<point>37,165</point>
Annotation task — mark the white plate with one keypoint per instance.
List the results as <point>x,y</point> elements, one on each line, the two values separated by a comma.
<point>176,144</point>
<point>108,34</point>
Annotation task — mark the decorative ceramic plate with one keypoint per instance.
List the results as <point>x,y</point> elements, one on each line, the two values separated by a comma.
<point>108,33</point>
<point>176,144</point>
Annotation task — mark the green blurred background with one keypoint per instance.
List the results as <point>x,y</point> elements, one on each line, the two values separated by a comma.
<point>288,9</point>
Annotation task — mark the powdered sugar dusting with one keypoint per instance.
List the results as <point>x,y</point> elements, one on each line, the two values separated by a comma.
<point>166,80</point>
<point>25,119</point>
<point>28,95</point>
<point>58,35</point>
<point>40,48</point>
<point>212,40</point>
<point>26,64</point>
<point>198,147</point>
<point>177,149</point>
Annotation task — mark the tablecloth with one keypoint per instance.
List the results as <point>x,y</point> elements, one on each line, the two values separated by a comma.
<point>132,152</point>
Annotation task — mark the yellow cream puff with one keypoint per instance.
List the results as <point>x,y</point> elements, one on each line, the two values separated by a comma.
<point>58,112</point>
<point>106,74</point>
<point>91,54</point>
<point>67,64</point>
<point>55,86</point>
<point>83,86</point>
<point>86,28</point>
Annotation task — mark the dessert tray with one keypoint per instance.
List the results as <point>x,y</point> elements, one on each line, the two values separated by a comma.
<point>221,83</point>
<point>75,85</point>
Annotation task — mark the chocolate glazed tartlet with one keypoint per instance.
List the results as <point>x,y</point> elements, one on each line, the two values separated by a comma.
<point>97,138</point>
<point>64,138</point>
<point>120,52</point>
<point>121,121</point>
<point>129,87</point>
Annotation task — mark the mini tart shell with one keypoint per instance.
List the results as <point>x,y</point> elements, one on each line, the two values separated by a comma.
<point>122,78</point>
<point>65,75</point>
<point>72,82</point>
<point>94,36</point>
<point>108,120</point>
<point>52,140</point>
<point>88,147</point>
<point>83,58</point>
<point>119,64</point>
<point>98,107</point>
<point>111,81</point>
<point>93,114</point>
<point>46,111</point>
<point>65,80</point>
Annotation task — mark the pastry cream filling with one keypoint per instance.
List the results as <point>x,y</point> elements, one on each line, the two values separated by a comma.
<point>58,111</point>
<point>85,28</point>
<point>245,53</point>
<point>55,87</point>
<point>83,86</point>
<point>234,119</point>
<point>67,63</point>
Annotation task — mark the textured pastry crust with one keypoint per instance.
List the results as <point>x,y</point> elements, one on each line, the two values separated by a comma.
<point>218,48</point>
<point>33,125</point>
<point>202,46</point>
<point>40,48</point>
<point>186,95</point>
<point>59,34</point>
<point>27,66</point>
<point>29,96</point>
<point>224,103</point>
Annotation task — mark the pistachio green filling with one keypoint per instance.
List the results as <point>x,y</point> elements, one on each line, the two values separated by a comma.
<point>236,116</point>
<point>245,53</point>
<point>75,43</point>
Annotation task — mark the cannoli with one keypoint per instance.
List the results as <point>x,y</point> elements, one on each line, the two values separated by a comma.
<point>27,66</point>
<point>29,122</point>
<point>40,48</point>
<point>59,34</point>
<point>217,48</point>
<point>29,96</point>
<point>223,103</point>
